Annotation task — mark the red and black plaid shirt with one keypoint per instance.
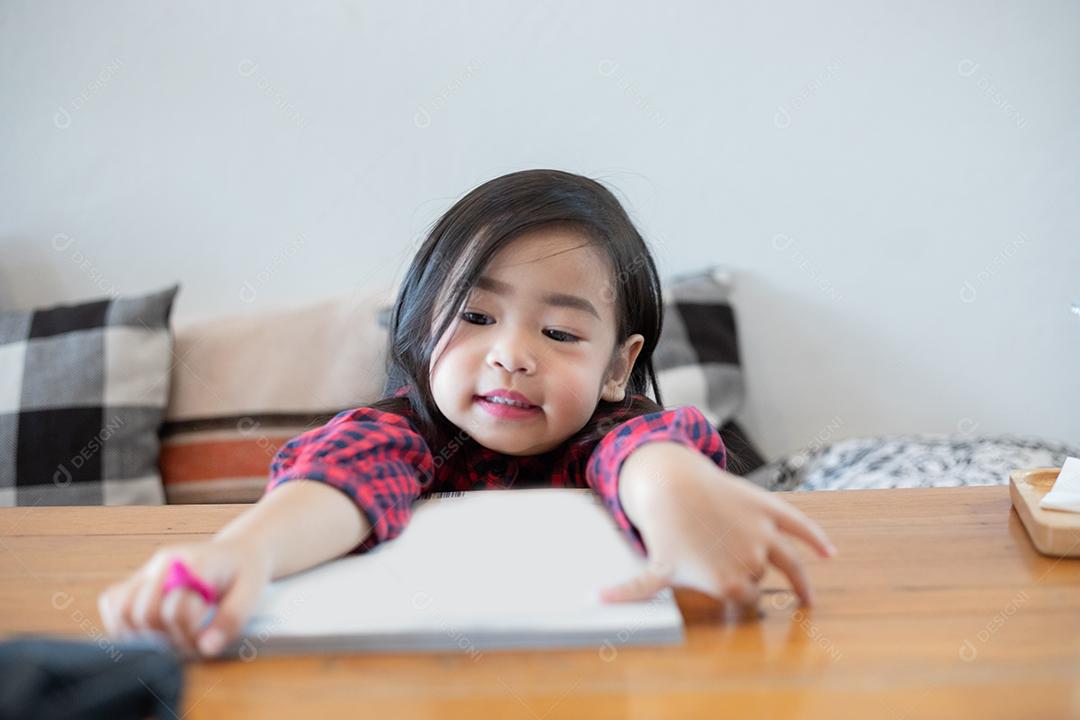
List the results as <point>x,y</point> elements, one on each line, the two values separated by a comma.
<point>383,464</point>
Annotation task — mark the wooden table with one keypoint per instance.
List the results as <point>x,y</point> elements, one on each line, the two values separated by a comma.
<point>937,606</point>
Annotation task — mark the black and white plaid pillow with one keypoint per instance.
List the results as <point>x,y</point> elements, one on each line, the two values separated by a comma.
<point>697,358</point>
<point>82,392</point>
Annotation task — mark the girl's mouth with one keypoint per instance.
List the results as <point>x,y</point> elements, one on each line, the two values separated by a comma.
<point>504,409</point>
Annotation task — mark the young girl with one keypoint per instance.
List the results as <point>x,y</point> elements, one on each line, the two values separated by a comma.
<point>520,353</point>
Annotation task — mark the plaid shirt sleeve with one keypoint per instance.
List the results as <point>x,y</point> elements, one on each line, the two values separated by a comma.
<point>685,424</point>
<point>376,458</point>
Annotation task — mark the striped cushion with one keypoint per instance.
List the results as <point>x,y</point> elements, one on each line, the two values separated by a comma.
<point>244,385</point>
<point>224,460</point>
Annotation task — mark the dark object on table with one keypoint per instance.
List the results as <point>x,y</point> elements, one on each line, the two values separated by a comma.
<point>43,677</point>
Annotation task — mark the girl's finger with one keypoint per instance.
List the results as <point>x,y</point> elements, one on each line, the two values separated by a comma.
<point>147,604</point>
<point>794,522</point>
<point>744,592</point>
<point>108,607</point>
<point>643,587</point>
<point>237,600</point>
<point>783,556</point>
<point>192,611</point>
<point>172,609</point>
<point>123,600</point>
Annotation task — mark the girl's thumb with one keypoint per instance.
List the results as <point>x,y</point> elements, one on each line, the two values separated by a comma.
<point>232,612</point>
<point>643,587</point>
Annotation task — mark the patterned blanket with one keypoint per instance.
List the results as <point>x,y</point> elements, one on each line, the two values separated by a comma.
<point>910,461</point>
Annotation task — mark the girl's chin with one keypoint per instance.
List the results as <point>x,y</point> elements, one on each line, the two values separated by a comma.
<point>504,438</point>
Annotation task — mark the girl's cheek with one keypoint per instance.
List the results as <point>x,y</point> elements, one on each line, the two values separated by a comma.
<point>443,345</point>
<point>578,387</point>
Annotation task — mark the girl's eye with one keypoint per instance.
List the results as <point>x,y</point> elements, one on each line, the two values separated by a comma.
<point>476,318</point>
<point>466,317</point>
<point>568,337</point>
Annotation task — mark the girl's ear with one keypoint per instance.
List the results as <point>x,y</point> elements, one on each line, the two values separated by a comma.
<point>621,366</point>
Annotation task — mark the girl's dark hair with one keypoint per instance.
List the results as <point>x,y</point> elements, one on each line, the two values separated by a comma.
<point>461,244</point>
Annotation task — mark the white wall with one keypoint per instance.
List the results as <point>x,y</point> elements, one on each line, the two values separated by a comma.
<point>896,185</point>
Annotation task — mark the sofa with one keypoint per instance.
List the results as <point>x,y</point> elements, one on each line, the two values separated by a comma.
<point>108,402</point>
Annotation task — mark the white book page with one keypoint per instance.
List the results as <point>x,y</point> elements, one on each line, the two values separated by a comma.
<point>487,568</point>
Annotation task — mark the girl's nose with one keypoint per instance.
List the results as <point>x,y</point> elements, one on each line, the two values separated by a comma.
<point>511,352</point>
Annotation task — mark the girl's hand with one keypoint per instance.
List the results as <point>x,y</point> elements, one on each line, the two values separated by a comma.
<point>708,529</point>
<point>238,572</point>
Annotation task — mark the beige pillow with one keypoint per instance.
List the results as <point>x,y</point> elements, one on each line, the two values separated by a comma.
<point>244,385</point>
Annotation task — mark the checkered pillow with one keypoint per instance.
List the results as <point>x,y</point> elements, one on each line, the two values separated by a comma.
<point>82,393</point>
<point>697,358</point>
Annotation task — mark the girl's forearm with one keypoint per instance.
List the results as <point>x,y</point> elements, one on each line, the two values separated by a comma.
<point>646,470</point>
<point>299,524</point>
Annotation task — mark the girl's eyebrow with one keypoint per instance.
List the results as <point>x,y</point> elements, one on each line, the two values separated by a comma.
<point>575,302</point>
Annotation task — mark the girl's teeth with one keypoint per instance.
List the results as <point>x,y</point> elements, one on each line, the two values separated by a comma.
<point>504,401</point>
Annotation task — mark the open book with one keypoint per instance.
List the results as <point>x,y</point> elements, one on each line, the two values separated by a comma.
<point>475,570</point>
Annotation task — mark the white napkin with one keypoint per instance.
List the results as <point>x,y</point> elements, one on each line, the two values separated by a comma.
<point>1065,494</point>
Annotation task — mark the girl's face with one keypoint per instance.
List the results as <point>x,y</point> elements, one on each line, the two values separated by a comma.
<point>539,322</point>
